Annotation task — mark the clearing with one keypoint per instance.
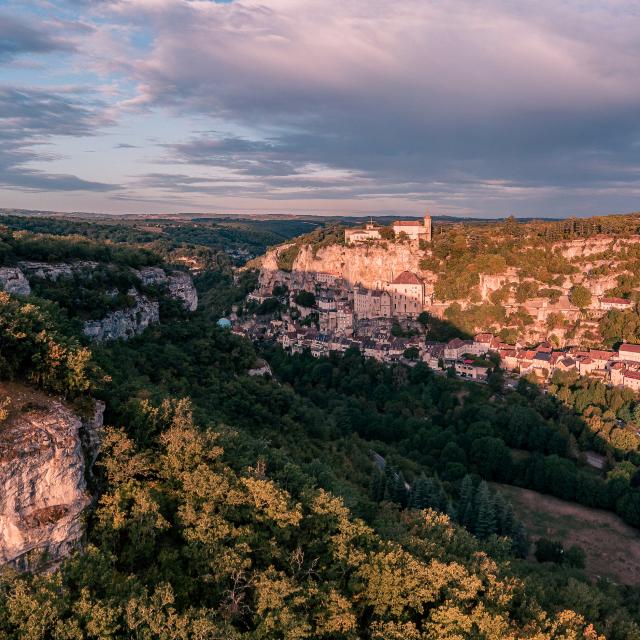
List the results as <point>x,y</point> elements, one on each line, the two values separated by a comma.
<point>612,547</point>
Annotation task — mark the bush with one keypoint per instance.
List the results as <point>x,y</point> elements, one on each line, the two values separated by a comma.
<point>549,551</point>
<point>575,557</point>
<point>305,299</point>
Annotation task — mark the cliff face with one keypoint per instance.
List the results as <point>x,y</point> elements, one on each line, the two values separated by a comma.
<point>42,484</point>
<point>124,323</point>
<point>369,266</point>
<point>56,270</point>
<point>12,280</point>
<point>591,246</point>
<point>179,285</point>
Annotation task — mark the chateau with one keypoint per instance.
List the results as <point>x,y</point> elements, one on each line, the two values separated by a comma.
<point>415,230</point>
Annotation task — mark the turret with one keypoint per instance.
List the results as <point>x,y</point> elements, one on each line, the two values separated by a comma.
<point>427,227</point>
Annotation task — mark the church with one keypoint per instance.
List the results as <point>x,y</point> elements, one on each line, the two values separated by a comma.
<point>415,230</point>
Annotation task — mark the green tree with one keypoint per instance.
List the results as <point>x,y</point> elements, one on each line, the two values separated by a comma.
<point>580,296</point>
<point>305,299</point>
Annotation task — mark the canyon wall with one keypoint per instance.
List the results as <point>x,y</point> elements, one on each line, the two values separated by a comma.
<point>179,285</point>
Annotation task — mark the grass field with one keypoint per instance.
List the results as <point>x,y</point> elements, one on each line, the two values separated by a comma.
<point>612,547</point>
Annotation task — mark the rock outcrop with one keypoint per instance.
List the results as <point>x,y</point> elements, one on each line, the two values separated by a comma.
<point>56,270</point>
<point>179,285</point>
<point>91,434</point>
<point>43,489</point>
<point>124,323</point>
<point>12,280</point>
<point>367,265</point>
<point>582,248</point>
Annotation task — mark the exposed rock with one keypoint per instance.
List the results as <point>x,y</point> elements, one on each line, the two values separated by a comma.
<point>179,285</point>
<point>12,280</point>
<point>42,484</point>
<point>584,247</point>
<point>124,323</point>
<point>56,270</point>
<point>151,275</point>
<point>91,434</point>
<point>368,266</point>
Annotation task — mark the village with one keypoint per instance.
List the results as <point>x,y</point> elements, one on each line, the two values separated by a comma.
<point>384,324</point>
<point>325,313</point>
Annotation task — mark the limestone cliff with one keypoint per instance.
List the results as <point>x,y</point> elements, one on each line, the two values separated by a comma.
<point>12,280</point>
<point>124,323</point>
<point>370,266</point>
<point>56,270</point>
<point>582,248</point>
<point>43,491</point>
<point>597,263</point>
<point>179,285</point>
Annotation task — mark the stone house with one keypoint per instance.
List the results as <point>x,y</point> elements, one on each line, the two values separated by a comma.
<point>629,352</point>
<point>407,294</point>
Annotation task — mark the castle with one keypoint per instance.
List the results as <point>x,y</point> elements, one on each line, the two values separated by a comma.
<point>415,230</point>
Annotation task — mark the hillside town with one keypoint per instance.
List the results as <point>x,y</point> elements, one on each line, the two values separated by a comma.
<point>385,324</point>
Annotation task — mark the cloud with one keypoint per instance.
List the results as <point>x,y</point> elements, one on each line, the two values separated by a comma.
<point>29,118</point>
<point>473,107</point>
<point>500,96</point>
<point>17,38</point>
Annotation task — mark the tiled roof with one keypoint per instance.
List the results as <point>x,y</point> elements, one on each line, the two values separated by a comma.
<point>408,223</point>
<point>406,277</point>
<point>456,343</point>
<point>630,348</point>
<point>599,354</point>
<point>615,301</point>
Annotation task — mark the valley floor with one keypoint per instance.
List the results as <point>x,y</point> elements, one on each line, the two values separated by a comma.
<point>612,547</point>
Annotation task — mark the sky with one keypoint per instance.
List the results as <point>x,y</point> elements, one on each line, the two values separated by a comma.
<point>460,107</point>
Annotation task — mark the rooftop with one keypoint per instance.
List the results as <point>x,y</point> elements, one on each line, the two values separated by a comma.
<point>630,348</point>
<point>408,223</point>
<point>407,277</point>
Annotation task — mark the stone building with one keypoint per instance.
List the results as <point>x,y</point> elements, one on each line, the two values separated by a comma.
<point>415,229</point>
<point>372,304</point>
<point>370,232</point>
<point>407,294</point>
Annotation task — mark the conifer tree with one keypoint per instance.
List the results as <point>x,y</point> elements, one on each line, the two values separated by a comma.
<point>485,523</point>
<point>419,498</point>
<point>399,492</point>
<point>465,506</point>
<point>377,486</point>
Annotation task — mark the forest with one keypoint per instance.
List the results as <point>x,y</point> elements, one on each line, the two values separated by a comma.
<point>340,499</point>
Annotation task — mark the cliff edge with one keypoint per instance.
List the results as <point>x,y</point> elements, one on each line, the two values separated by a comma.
<point>43,490</point>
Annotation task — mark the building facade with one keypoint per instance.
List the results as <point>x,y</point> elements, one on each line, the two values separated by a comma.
<point>415,229</point>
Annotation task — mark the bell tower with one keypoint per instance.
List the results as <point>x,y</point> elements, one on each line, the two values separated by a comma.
<point>427,227</point>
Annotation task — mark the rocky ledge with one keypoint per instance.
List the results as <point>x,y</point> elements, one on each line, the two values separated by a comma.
<point>179,285</point>
<point>124,323</point>
<point>12,281</point>
<point>43,490</point>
